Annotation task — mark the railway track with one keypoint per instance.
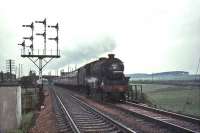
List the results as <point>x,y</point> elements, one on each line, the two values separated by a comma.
<point>84,118</point>
<point>173,121</point>
<point>62,122</point>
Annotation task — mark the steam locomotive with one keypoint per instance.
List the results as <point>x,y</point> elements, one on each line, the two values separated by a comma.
<point>102,79</point>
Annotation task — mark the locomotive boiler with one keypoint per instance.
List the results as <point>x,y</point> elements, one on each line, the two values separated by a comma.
<point>102,79</point>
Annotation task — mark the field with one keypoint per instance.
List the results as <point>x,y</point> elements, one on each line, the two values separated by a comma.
<point>176,98</point>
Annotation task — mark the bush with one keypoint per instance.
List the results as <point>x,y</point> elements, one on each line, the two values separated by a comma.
<point>27,121</point>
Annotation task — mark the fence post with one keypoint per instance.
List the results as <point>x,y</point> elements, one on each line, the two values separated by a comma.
<point>136,97</point>
<point>131,93</point>
<point>128,92</point>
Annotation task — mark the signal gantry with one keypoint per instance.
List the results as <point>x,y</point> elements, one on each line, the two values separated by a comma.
<point>40,57</point>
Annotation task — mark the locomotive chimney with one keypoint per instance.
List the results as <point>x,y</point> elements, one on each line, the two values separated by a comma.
<point>111,56</point>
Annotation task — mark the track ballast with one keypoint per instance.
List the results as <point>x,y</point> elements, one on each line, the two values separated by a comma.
<point>84,118</point>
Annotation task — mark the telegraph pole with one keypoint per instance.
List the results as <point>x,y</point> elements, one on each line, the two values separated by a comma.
<point>10,67</point>
<point>40,59</point>
<point>19,71</point>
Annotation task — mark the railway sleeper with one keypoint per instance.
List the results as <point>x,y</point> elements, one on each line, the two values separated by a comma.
<point>96,127</point>
<point>107,130</point>
<point>83,121</point>
<point>65,131</point>
<point>91,124</point>
<point>87,117</point>
<point>88,122</point>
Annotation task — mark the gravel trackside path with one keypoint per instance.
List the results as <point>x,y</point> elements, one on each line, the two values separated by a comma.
<point>45,121</point>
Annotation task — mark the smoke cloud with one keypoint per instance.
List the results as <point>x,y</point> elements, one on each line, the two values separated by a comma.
<point>84,52</point>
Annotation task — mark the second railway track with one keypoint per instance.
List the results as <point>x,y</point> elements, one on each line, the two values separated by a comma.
<point>179,123</point>
<point>84,118</point>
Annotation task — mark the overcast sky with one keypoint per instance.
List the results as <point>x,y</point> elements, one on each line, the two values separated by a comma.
<point>147,35</point>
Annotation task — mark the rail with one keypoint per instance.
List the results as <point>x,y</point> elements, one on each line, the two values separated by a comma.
<point>123,127</point>
<point>84,118</point>
<point>162,118</point>
<point>179,116</point>
<point>72,123</point>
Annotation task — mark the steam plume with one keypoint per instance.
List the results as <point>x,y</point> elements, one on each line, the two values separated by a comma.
<point>85,52</point>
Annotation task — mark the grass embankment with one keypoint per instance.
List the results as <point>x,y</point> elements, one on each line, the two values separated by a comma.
<point>181,99</point>
<point>26,123</point>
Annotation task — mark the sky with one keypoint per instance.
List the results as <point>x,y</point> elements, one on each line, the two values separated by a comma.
<point>149,36</point>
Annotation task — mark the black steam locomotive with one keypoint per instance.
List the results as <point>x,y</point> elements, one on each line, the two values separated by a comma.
<point>102,79</point>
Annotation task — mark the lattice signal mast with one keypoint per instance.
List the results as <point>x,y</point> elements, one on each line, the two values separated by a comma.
<point>38,56</point>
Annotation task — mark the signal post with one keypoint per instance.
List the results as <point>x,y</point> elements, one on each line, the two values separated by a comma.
<point>40,57</point>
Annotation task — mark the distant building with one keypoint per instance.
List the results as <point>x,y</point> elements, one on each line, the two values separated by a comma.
<point>32,73</point>
<point>7,77</point>
<point>62,73</point>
